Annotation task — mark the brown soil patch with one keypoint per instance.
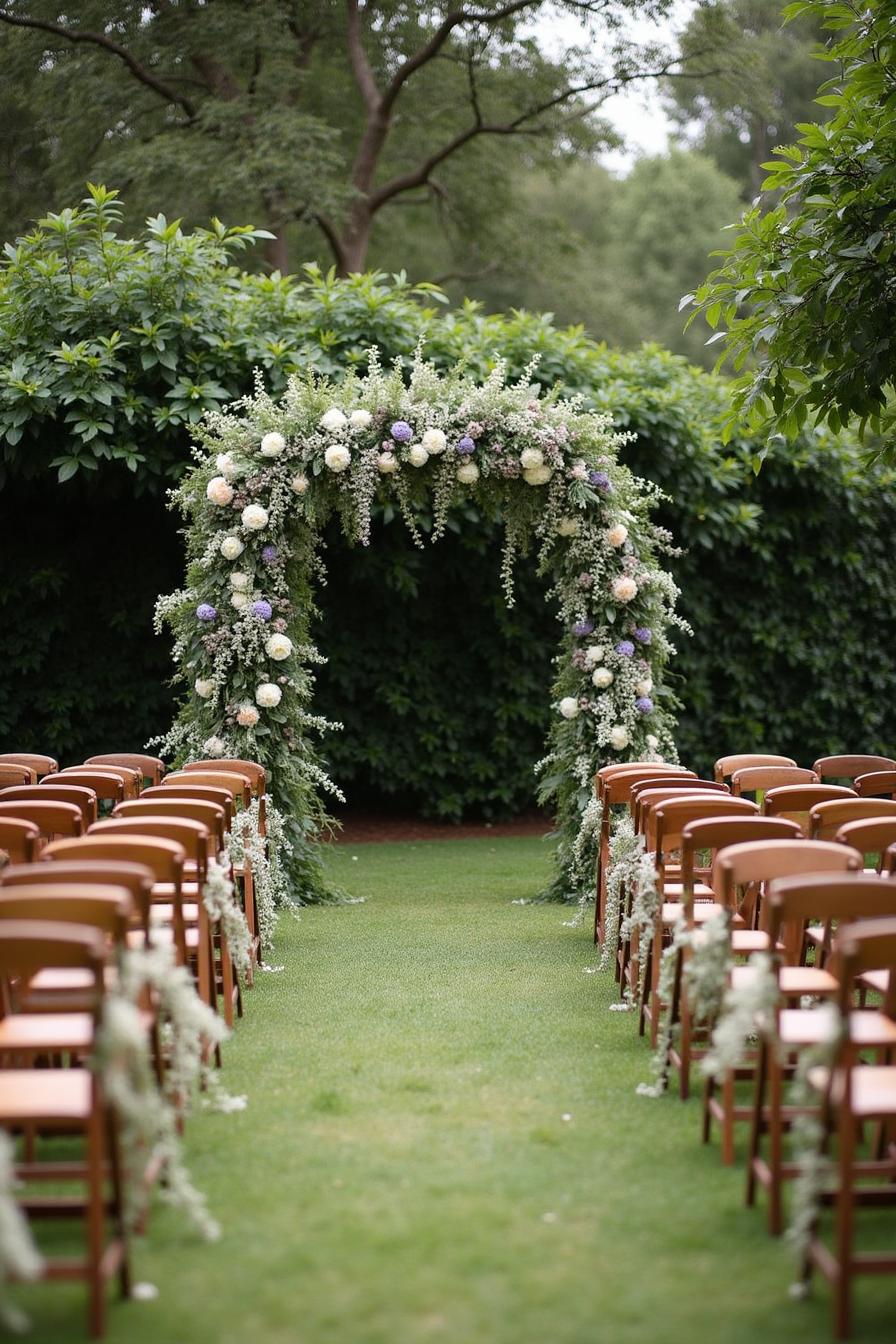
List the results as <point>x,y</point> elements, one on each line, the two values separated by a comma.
<point>363,827</point>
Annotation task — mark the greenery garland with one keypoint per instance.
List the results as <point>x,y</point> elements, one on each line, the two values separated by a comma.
<point>271,473</point>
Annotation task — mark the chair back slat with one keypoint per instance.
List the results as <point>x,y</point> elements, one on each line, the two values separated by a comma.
<point>871,836</point>
<point>209,814</point>
<point>40,765</point>
<point>135,878</point>
<point>11,774</point>
<point>19,839</point>
<point>827,818</point>
<point>725,766</point>
<point>792,902</point>
<point>761,778</point>
<point>149,767</point>
<point>850,767</point>
<point>108,785</point>
<point>164,858</point>
<point>52,792</point>
<point>878,783</point>
<point>52,819</point>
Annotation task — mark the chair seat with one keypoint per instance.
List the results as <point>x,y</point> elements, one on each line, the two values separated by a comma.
<point>676,889</point>
<point>745,941</point>
<point>44,1094</point>
<point>163,936</point>
<point>873,1089</point>
<point>45,1033</point>
<point>59,980</point>
<point>672,911</point>
<point>792,979</point>
<point>163,914</point>
<point>867,1028</point>
<point>879,980</point>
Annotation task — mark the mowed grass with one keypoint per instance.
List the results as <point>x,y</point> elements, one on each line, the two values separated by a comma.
<point>443,1142</point>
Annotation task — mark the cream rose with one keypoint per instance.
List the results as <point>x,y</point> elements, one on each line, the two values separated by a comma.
<point>332,420</point>
<point>247,716</point>
<point>537,475</point>
<point>239,581</point>
<point>387,463</point>
<point>272,445</point>
<point>299,484</point>
<point>231,548</point>
<point>531,457</point>
<point>569,707</point>
<point>417,455</point>
<point>360,419</point>
<point>624,588</point>
<point>204,688</point>
<point>268,695</point>
<point>434,441</point>
<point>468,473</point>
<point>617,535</point>
<point>278,647</point>
<point>239,601</point>
<point>619,737</point>
<point>602,677</point>
<point>254,517</point>
<point>568,527</point>
<point>219,491</point>
<point>645,686</point>
<point>337,458</point>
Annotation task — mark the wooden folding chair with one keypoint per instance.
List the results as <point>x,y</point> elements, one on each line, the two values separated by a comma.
<point>871,837</point>
<point>751,866</point>
<point>663,829</point>
<point>136,878</point>
<point>53,820</point>
<point>164,858</point>
<point>709,836</point>
<point>37,764</point>
<point>16,774</point>
<point>761,778</point>
<point>726,766</point>
<point>80,797</point>
<point>108,785</point>
<point>850,767</point>
<point>131,779</point>
<point>612,788</point>
<point>149,767</point>
<point>792,902</point>
<point>19,839</point>
<point>795,801</point>
<point>853,1094</point>
<point>826,818</point>
<point>877,784</point>
<point>193,836</point>
<point>48,1099</point>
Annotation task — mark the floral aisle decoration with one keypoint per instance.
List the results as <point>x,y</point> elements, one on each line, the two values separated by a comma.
<point>745,1008</point>
<point>219,898</point>
<point>268,477</point>
<point>807,1134</point>
<point>20,1259</point>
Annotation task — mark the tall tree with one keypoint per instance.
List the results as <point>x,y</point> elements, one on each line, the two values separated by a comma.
<point>325,111</point>
<point>761,81</point>
<point>806,297</point>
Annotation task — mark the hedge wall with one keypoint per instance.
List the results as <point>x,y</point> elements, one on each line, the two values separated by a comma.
<point>109,348</point>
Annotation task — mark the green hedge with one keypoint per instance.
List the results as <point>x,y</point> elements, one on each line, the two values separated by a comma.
<point>110,348</point>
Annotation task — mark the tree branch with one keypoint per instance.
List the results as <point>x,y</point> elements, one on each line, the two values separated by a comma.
<point>332,237</point>
<point>361,67</point>
<point>137,69</point>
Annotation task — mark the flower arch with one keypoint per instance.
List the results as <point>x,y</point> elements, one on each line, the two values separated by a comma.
<point>269,475</point>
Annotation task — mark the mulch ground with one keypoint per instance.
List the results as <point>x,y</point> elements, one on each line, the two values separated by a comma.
<point>361,827</point>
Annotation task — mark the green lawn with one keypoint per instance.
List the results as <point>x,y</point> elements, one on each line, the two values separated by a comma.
<point>443,1143</point>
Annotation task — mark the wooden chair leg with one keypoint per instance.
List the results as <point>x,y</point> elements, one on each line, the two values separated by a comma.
<point>844,1225</point>
<point>94,1230</point>
<point>754,1151</point>
<point>728,1118</point>
<point>775,1143</point>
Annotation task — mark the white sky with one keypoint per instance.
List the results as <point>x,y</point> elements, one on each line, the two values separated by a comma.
<point>638,113</point>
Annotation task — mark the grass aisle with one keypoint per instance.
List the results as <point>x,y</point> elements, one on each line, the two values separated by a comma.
<point>443,1143</point>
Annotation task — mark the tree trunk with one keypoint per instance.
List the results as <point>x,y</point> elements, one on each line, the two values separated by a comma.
<point>276,251</point>
<point>354,241</point>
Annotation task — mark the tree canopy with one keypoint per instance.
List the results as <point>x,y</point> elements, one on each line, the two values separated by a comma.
<point>804,301</point>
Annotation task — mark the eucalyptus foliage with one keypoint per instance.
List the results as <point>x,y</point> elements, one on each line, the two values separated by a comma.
<point>269,475</point>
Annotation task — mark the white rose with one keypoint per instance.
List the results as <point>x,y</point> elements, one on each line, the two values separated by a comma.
<point>579,471</point>
<point>219,491</point>
<point>568,527</point>
<point>204,688</point>
<point>254,517</point>
<point>652,741</point>
<point>619,737</point>
<point>360,419</point>
<point>387,463</point>
<point>531,457</point>
<point>337,458</point>
<point>247,716</point>
<point>272,445</point>
<point>468,473</point>
<point>214,746</point>
<point>537,475</point>
<point>278,647</point>
<point>239,581</point>
<point>602,677</point>
<point>232,548</point>
<point>268,695</point>
<point>569,707</point>
<point>332,420</point>
<point>418,456</point>
<point>595,654</point>
<point>617,535</point>
<point>624,588</point>
<point>226,465</point>
<point>644,687</point>
<point>434,441</point>
<point>299,484</point>
<point>239,600</point>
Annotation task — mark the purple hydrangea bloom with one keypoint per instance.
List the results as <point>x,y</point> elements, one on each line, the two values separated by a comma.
<point>643,634</point>
<point>600,479</point>
<point>269,555</point>
<point>263,610</point>
<point>402,432</point>
<point>466,446</point>
<point>583,628</point>
<point>625,648</point>
<point>205,612</point>
<point>643,704</point>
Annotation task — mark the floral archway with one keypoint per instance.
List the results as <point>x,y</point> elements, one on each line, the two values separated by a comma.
<point>270,474</point>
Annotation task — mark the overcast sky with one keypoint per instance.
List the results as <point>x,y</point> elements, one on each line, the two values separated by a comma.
<point>638,114</point>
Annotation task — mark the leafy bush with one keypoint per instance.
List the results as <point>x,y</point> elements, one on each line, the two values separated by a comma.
<point>786,576</point>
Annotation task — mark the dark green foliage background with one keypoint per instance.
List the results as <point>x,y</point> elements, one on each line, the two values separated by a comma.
<point>787,575</point>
